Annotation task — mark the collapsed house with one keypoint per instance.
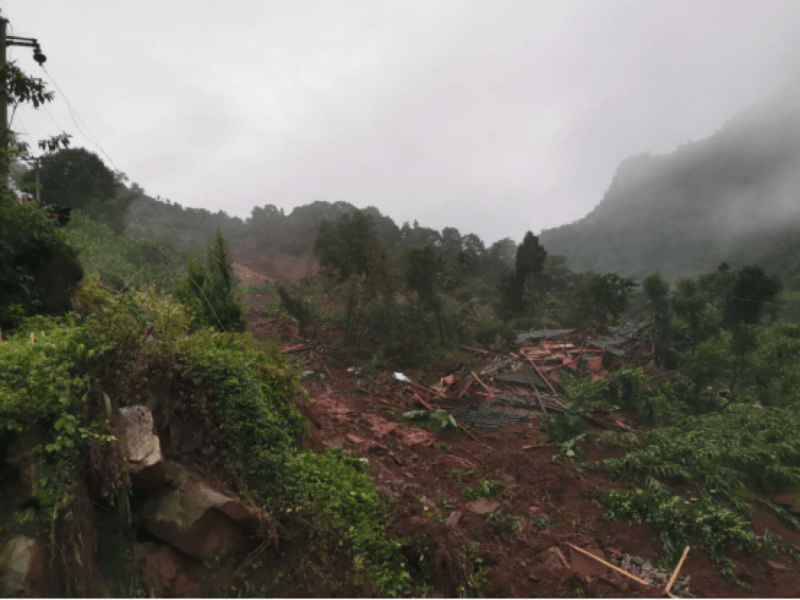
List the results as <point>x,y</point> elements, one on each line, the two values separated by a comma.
<point>524,376</point>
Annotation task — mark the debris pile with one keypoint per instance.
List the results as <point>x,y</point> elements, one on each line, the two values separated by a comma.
<point>524,377</point>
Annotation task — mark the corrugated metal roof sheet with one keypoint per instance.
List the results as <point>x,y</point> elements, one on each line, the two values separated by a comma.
<point>550,334</point>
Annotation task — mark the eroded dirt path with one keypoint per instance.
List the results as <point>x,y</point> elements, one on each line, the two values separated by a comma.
<point>428,476</point>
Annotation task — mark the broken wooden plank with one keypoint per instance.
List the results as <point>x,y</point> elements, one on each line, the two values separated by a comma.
<point>541,375</point>
<point>609,565</point>
<point>295,348</point>
<point>464,389</point>
<point>562,559</point>
<point>539,398</point>
<point>675,572</point>
<point>424,388</point>
<point>532,446</point>
<point>483,385</point>
<point>478,350</point>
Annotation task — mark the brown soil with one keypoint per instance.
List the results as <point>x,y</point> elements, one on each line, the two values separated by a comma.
<point>273,265</point>
<point>413,466</point>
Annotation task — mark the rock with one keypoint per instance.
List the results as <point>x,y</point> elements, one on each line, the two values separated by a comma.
<point>195,518</point>
<point>354,439</point>
<point>454,518</point>
<point>140,444</point>
<point>22,563</point>
<point>483,506</point>
<point>778,566</point>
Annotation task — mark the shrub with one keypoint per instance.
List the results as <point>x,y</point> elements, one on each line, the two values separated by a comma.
<point>39,270</point>
<point>208,290</point>
<point>121,261</point>
<point>236,397</point>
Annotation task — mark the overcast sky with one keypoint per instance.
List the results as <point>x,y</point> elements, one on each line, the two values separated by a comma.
<point>492,116</point>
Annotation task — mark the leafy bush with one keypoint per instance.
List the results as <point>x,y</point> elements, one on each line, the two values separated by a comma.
<point>38,268</point>
<point>337,484</point>
<point>238,397</point>
<point>483,489</point>
<point>121,261</point>
<point>208,290</point>
<point>720,452</point>
<point>504,522</point>
<point>561,428</point>
<point>629,389</point>
<point>678,521</point>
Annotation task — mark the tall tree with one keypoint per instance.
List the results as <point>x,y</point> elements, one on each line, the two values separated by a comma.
<point>424,268</point>
<point>688,303</point>
<point>39,270</point>
<point>208,289</point>
<point>751,290</point>
<point>530,257</point>
<point>349,246</point>
<point>601,299</point>
<point>77,178</point>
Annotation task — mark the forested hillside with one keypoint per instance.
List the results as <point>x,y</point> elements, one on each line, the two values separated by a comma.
<point>733,196</point>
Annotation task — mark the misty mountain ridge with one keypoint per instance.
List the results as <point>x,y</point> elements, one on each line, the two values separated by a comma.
<point>684,212</point>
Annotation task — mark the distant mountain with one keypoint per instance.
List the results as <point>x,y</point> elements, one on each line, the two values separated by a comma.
<point>734,196</point>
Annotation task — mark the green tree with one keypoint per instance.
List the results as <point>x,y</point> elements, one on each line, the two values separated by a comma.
<point>349,246</point>
<point>528,264</point>
<point>716,286</point>
<point>656,289</point>
<point>424,269</point>
<point>39,271</point>
<point>530,258</point>
<point>601,299</point>
<point>77,178</point>
<point>751,290</point>
<point>688,303</point>
<point>471,255</point>
<point>451,246</point>
<point>208,289</point>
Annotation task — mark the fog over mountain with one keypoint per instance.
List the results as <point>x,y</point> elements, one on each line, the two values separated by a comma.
<point>491,116</point>
<point>683,212</point>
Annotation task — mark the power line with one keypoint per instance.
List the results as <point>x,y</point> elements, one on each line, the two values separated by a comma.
<point>72,114</point>
<point>133,211</point>
<point>22,124</point>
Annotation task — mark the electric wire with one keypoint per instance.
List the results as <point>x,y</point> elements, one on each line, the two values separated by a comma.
<point>78,127</point>
<point>132,208</point>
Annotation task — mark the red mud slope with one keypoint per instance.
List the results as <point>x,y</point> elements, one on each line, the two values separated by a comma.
<point>419,471</point>
<point>272,264</point>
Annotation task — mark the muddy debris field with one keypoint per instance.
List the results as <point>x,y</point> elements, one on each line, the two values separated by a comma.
<point>474,478</point>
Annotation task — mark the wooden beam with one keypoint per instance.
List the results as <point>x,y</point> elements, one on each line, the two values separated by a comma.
<point>609,565</point>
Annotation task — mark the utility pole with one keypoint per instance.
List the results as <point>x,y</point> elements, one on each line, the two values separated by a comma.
<point>5,41</point>
<point>3,104</point>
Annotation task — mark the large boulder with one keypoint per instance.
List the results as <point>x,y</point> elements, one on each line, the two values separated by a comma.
<point>195,518</point>
<point>22,572</point>
<point>140,444</point>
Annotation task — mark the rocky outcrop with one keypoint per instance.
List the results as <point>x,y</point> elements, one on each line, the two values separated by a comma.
<point>140,444</point>
<point>196,519</point>
<point>22,572</point>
